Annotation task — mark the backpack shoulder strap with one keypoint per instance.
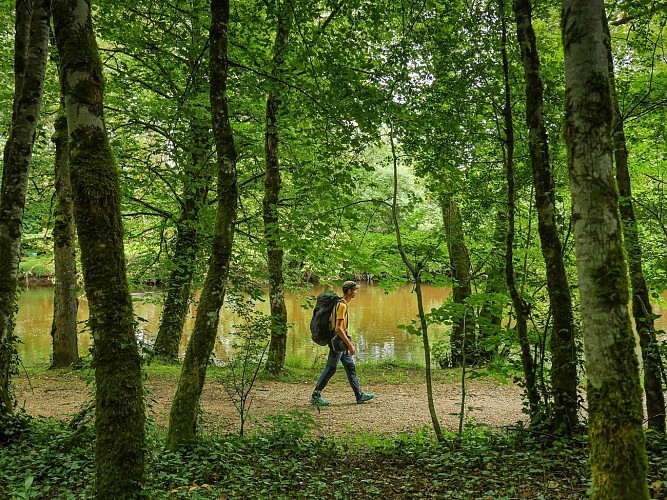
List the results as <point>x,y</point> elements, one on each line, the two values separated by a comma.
<point>334,312</point>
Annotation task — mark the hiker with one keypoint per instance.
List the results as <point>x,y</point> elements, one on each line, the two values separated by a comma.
<point>341,349</point>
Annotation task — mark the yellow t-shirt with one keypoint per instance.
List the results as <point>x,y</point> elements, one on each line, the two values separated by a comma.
<point>339,312</point>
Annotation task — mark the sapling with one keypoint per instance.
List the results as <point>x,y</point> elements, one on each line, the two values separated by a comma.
<point>249,347</point>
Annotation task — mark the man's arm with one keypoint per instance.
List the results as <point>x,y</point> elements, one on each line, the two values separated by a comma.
<point>343,335</point>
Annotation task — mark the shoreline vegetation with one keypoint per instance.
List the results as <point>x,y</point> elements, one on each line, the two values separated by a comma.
<point>38,270</point>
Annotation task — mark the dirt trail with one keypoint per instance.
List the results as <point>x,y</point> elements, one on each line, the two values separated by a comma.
<point>396,407</point>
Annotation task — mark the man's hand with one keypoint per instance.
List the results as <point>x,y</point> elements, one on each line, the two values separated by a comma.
<point>352,350</point>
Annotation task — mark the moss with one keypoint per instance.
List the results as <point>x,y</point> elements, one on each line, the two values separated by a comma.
<point>617,442</point>
<point>599,112</point>
<point>611,280</point>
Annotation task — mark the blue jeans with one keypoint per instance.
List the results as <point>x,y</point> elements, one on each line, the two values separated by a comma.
<point>330,368</point>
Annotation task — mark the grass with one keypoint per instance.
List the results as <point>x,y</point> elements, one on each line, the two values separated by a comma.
<point>37,266</point>
<point>300,371</point>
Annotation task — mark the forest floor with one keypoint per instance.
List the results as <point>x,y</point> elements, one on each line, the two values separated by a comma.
<point>376,450</point>
<point>397,407</point>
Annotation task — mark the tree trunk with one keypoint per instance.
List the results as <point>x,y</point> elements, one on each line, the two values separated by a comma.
<point>415,271</point>
<point>616,435</point>
<point>495,283</point>
<point>642,310</point>
<point>184,409</point>
<point>186,248</point>
<point>563,351</point>
<point>119,406</point>
<point>65,302</point>
<point>30,68</point>
<point>21,40</point>
<point>178,290</point>
<point>272,183</point>
<point>463,329</point>
<point>521,308</point>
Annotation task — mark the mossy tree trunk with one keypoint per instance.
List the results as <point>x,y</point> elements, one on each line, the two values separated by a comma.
<point>563,350</point>
<point>272,184</point>
<point>616,434</point>
<point>521,308</point>
<point>495,283</point>
<point>177,291</point>
<point>463,328</point>
<point>31,45</point>
<point>186,248</point>
<point>119,406</point>
<point>65,302</point>
<point>184,409</point>
<point>21,40</point>
<point>642,311</point>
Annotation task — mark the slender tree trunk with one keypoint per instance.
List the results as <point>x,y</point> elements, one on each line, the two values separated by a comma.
<point>272,183</point>
<point>21,40</point>
<point>415,271</point>
<point>463,329</point>
<point>186,248</point>
<point>119,406</point>
<point>30,67</point>
<point>184,409</point>
<point>642,310</point>
<point>495,283</point>
<point>563,350</point>
<point>65,302</point>
<point>616,434</point>
<point>521,308</point>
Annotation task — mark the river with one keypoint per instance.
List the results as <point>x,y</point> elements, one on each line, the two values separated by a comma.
<point>374,316</point>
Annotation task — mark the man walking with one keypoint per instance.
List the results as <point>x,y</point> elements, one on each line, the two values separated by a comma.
<point>341,349</point>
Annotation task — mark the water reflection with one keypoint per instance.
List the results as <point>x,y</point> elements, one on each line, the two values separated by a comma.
<point>374,316</point>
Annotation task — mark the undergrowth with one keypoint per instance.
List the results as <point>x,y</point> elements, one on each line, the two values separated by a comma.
<point>283,458</point>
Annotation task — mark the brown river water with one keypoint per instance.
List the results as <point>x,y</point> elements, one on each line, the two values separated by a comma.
<point>374,316</point>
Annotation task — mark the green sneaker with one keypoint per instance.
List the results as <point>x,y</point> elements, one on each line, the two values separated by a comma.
<point>318,400</point>
<point>365,397</point>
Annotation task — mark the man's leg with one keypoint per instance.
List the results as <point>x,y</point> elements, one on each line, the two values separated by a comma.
<point>351,371</point>
<point>327,373</point>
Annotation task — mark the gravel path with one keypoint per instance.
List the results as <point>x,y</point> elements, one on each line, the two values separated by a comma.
<point>396,407</point>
